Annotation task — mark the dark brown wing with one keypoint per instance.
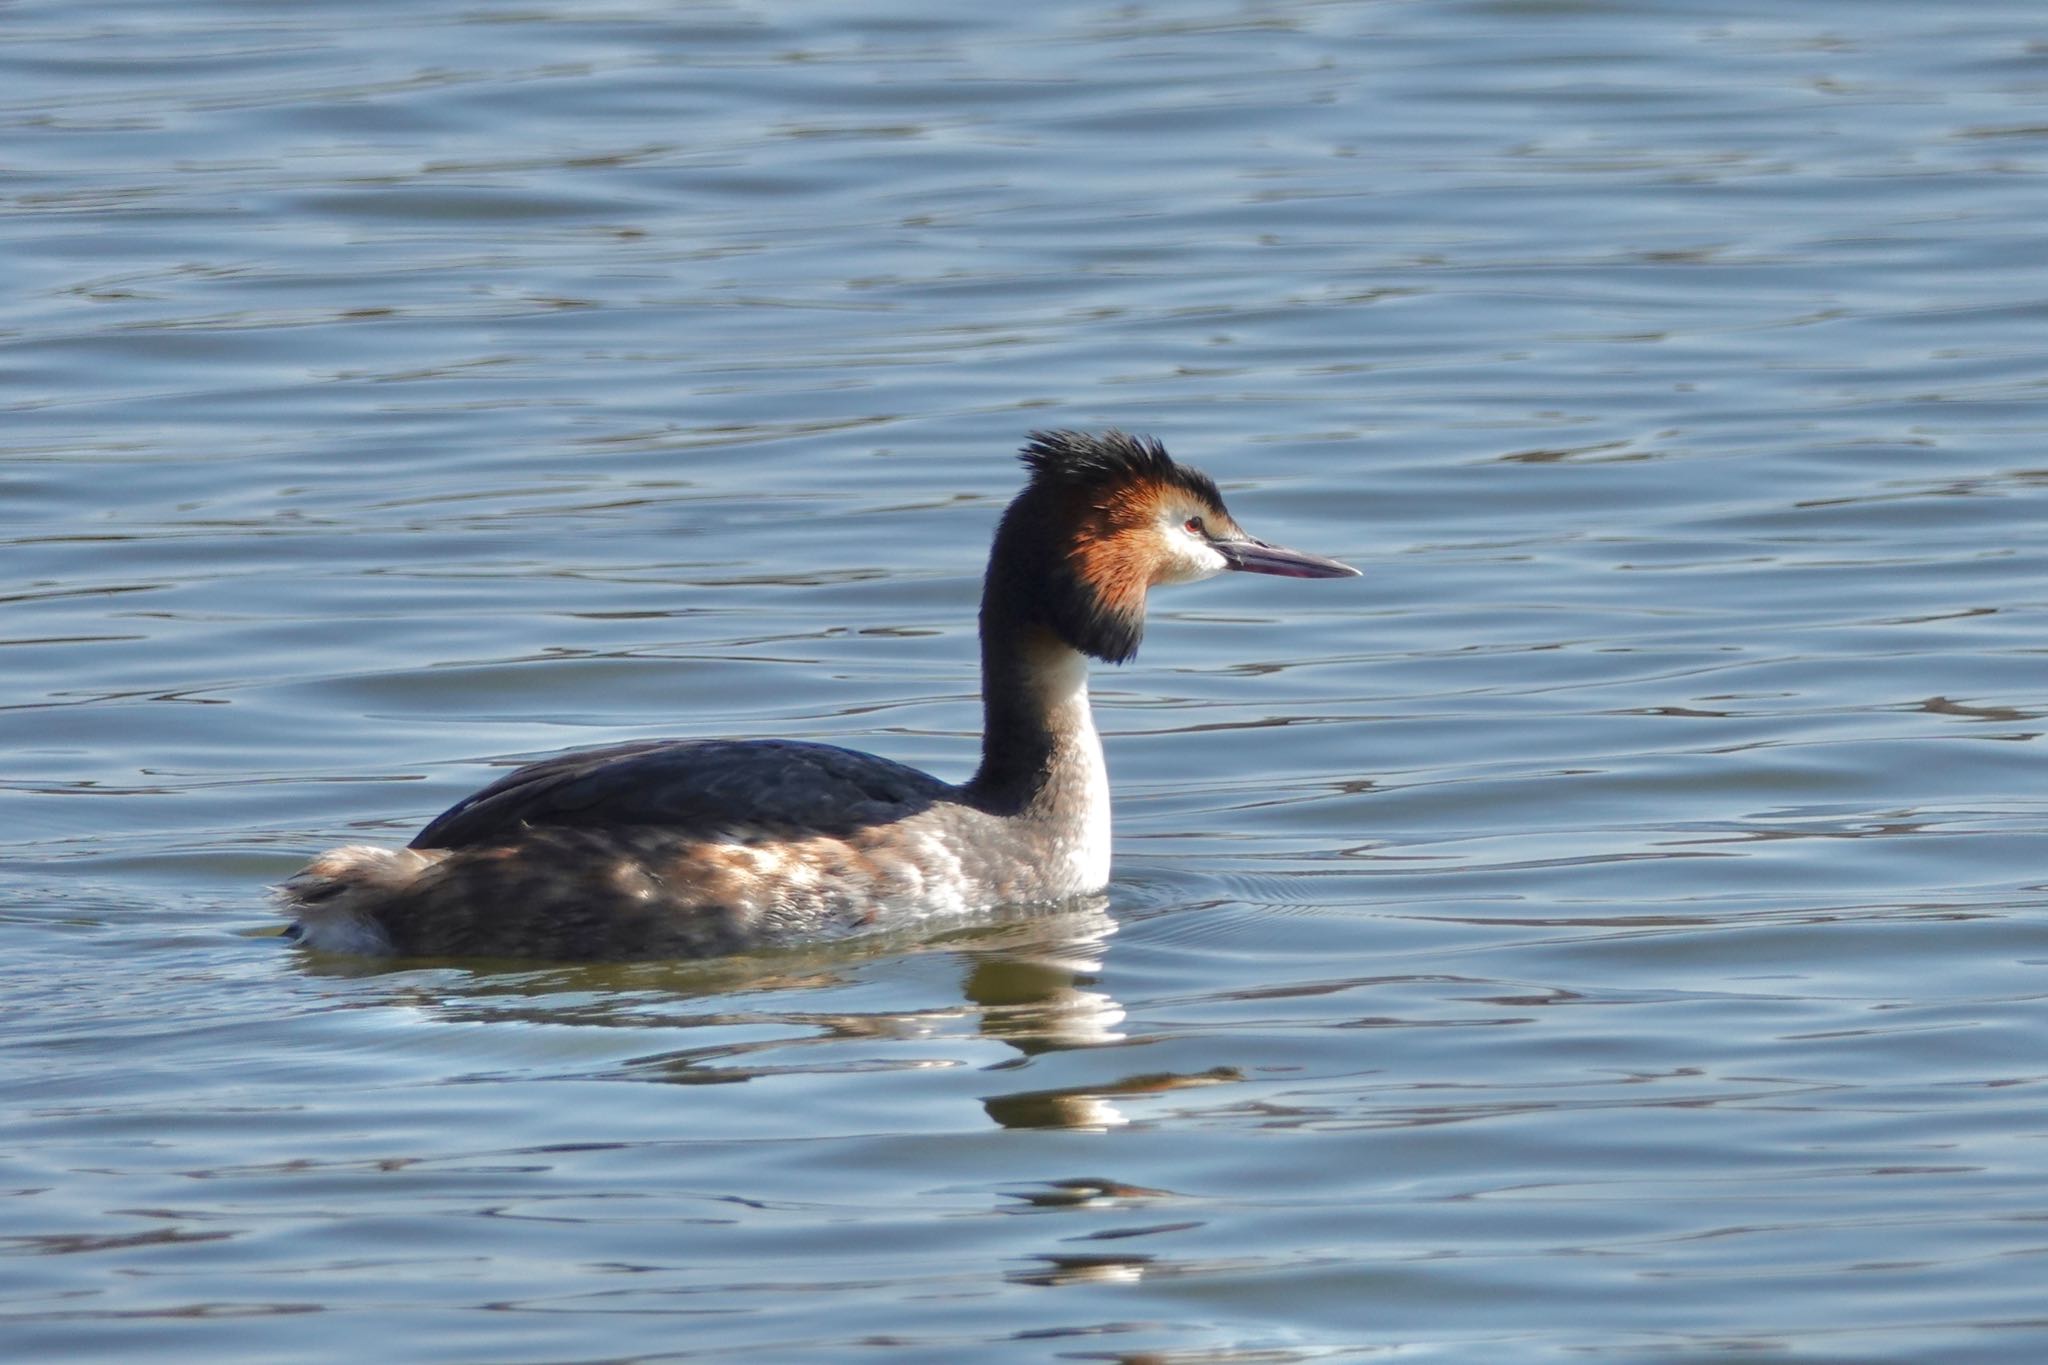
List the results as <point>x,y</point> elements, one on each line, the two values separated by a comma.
<point>702,786</point>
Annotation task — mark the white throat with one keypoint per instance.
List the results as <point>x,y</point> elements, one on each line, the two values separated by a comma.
<point>1079,790</point>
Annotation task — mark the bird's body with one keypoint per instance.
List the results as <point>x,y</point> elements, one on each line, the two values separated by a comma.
<point>694,848</point>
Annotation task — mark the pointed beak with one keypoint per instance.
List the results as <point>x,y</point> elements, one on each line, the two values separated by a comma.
<point>1256,556</point>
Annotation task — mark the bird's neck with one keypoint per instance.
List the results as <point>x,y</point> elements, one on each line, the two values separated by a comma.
<point>1041,760</point>
<point>1040,754</point>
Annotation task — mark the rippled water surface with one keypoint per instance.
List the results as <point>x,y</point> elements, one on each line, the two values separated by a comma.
<point>1617,925</point>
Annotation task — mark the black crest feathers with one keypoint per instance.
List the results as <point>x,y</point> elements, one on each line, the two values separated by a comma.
<point>1091,461</point>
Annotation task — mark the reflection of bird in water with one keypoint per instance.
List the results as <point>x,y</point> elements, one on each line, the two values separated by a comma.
<point>1095,1106</point>
<point>692,848</point>
<point>1035,1002</point>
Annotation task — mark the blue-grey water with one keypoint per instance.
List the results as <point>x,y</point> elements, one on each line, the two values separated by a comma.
<point>1615,927</point>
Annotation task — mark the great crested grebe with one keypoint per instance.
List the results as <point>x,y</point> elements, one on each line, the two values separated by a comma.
<point>698,847</point>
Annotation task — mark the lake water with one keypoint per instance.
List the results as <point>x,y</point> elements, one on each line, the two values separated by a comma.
<point>1615,927</point>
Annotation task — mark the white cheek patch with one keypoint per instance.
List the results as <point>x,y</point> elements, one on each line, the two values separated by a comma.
<point>1188,558</point>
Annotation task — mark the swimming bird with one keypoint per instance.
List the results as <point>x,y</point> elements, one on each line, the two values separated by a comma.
<point>702,847</point>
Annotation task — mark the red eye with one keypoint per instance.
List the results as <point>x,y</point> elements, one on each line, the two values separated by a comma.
<point>1193,526</point>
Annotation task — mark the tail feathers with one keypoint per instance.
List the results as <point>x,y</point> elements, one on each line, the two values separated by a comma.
<point>336,895</point>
